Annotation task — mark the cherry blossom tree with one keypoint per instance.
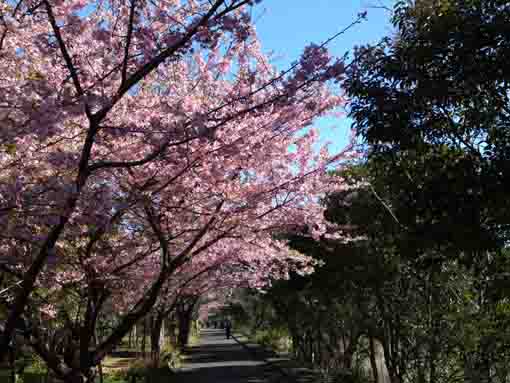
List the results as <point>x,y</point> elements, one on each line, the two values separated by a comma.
<point>137,137</point>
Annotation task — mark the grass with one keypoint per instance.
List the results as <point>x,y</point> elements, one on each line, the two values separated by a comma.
<point>29,377</point>
<point>5,375</point>
<point>124,356</point>
<point>117,363</point>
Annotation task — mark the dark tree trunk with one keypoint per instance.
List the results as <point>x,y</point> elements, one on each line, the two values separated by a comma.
<point>184,330</point>
<point>12,359</point>
<point>136,336</point>
<point>144,335</point>
<point>184,314</point>
<point>100,366</point>
<point>373,360</point>
<point>171,331</point>
<point>156,328</point>
<point>392,371</point>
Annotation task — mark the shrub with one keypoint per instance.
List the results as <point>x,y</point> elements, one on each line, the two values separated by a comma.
<point>275,338</point>
<point>348,376</point>
<point>35,368</point>
<point>138,369</point>
<point>115,377</point>
<point>35,371</point>
<point>171,356</point>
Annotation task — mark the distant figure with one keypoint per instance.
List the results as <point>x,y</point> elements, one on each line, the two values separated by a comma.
<point>228,328</point>
<point>215,324</point>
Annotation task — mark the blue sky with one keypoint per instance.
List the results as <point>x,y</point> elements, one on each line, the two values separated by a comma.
<point>286,26</point>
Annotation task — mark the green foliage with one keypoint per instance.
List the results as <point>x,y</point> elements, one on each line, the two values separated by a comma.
<point>32,377</point>
<point>115,377</point>
<point>277,339</point>
<point>171,356</point>
<point>354,376</point>
<point>32,368</point>
<point>139,368</point>
<point>37,365</point>
<point>433,314</point>
<point>432,104</point>
<point>4,374</point>
<point>141,371</point>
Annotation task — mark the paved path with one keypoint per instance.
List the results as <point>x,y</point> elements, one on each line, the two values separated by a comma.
<point>218,360</point>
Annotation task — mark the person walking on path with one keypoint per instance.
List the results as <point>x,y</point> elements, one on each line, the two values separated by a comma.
<point>228,328</point>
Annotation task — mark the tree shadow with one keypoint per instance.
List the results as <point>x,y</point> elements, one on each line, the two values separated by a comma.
<point>218,360</point>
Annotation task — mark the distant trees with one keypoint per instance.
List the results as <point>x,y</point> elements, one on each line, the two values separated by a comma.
<point>383,307</point>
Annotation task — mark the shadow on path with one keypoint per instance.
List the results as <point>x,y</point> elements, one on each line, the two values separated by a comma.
<point>218,360</point>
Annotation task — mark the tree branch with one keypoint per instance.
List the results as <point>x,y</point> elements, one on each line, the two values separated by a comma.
<point>67,57</point>
<point>128,42</point>
<point>156,61</point>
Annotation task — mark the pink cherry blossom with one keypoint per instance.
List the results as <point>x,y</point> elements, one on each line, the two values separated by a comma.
<point>143,144</point>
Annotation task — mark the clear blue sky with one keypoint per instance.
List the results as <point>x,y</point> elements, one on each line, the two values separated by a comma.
<point>286,26</point>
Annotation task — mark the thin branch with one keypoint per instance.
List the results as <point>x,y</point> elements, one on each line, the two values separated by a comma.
<point>177,261</point>
<point>67,58</point>
<point>149,157</point>
<point>128,41</point>
<point>146,69</point>
<point>232,7</point>
<point>372,189</point>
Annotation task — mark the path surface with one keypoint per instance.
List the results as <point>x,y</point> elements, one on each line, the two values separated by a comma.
<point>218,360</point>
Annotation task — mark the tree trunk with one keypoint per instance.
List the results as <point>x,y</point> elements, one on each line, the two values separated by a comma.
<point>136,335</point>
<point>389,362</point>
<point>144,335</point>
<point>100,365</point>
<point>171,331</point>
<point>162,338</point>
<point>184,323</point>
<point>373,360</point>
<point>12,359</point>
<point>156,330</point>
<point>184,330</point>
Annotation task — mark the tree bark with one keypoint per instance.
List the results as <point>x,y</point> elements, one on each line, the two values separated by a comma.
<point>156,331</point>
<point>184,330</point>
<point>12,359</point>
<point>136,335</point>
<point>373,360</point>
<point>184,314</point>
<point>144,335</point>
